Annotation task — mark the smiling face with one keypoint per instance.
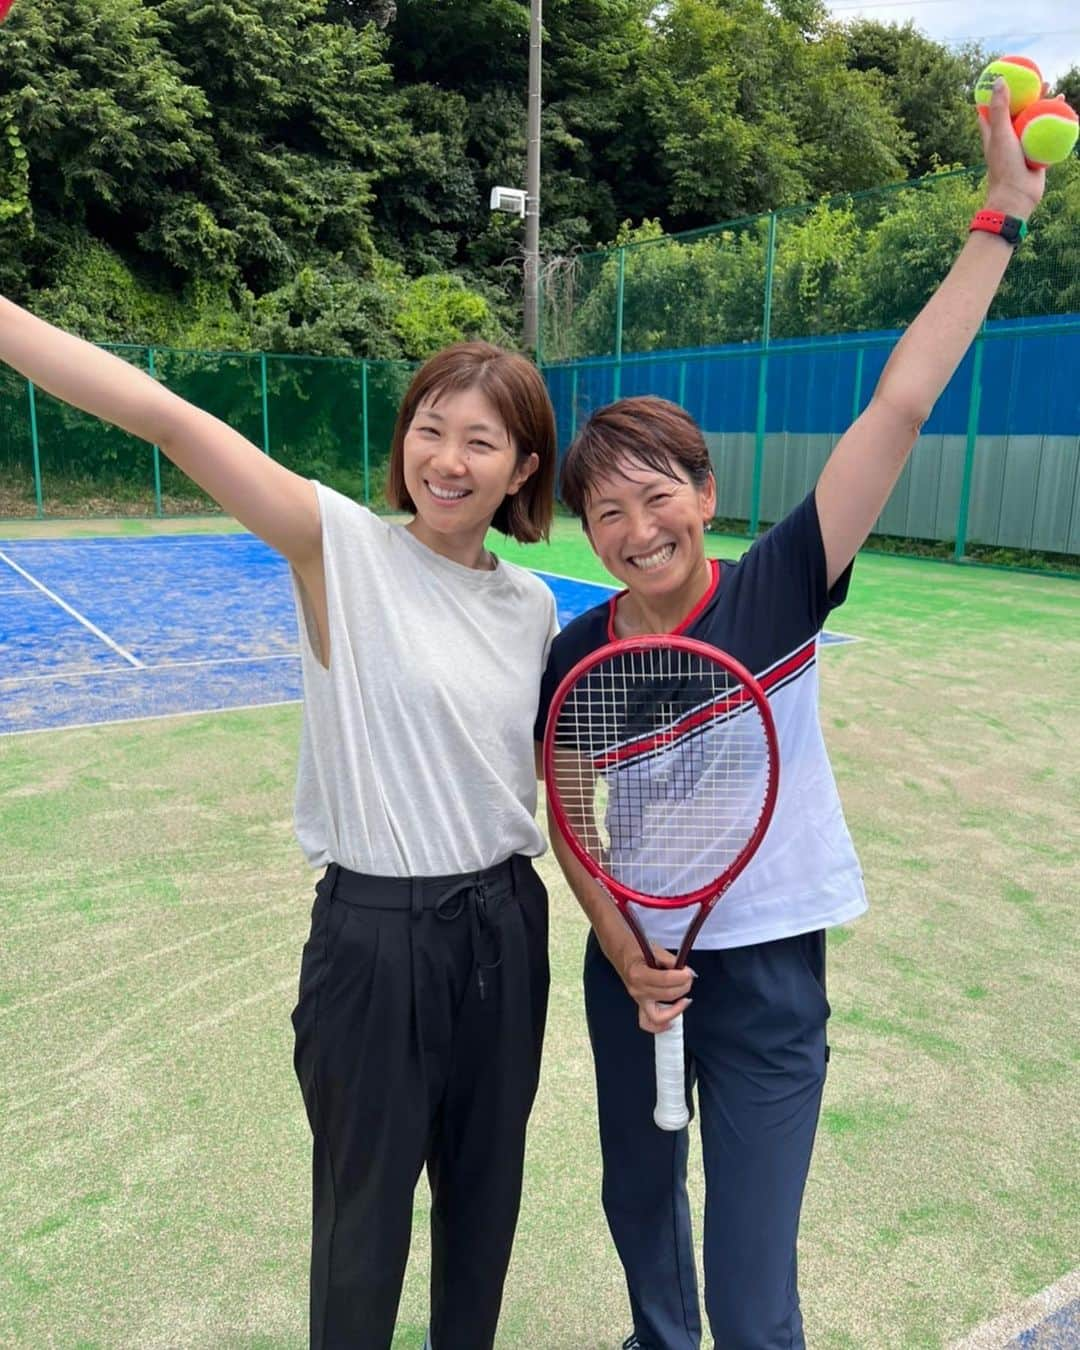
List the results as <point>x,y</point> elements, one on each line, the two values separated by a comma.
<point>648,529</point>
<point>459,462</point>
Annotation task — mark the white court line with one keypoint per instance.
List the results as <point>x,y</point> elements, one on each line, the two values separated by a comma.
<point>581,581</point>
<point>1026,1316</point>
<point>228,660</point>
<point>155,717</point>
<point>13,680</point>
<point>120,651</point>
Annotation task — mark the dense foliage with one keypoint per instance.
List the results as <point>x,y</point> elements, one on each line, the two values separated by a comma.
<point>313,176</point>
<point>849,264</point>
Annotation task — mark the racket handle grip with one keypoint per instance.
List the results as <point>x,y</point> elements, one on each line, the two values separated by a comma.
<point>671,1112</point>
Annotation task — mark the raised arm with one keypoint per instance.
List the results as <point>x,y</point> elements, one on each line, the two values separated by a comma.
<point>862,470</point>
<point>272,501</point>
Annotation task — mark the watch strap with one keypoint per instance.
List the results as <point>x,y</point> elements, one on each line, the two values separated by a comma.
<point>1010,228</point>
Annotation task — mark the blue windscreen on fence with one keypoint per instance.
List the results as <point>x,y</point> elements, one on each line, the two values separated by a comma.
<point>998,460</point>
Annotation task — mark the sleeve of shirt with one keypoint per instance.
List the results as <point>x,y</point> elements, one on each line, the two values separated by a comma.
<point>789,561</point>
<point>553,626</point>
<point>346,525</point>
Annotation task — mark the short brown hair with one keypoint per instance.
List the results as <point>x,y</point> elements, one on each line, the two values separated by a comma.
<point>648,431</point>
<point>518,394</point>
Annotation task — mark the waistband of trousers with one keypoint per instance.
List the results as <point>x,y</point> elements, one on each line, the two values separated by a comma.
<point>368,891</point>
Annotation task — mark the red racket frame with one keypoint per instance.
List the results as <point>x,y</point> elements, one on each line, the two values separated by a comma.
<point>705,896</point>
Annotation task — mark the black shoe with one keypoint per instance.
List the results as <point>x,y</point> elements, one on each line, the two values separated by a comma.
<point>632,1342</point>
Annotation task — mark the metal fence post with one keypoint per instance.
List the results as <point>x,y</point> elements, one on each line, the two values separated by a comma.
<point>35,451</point>
<point>366,438</point>
<point>151,370</point>
<point>573,401</point>
<point>539,319</point>
<point>763,378</point>
<point>620,294</point>
<point>682,384</point>
<point>856,397</point>
<point>265,404</point>
<point>969,447</point>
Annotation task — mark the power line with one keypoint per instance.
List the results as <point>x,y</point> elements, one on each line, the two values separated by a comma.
<point>1018,32</point>
<point>890,4</point>
<point>1025,33</point>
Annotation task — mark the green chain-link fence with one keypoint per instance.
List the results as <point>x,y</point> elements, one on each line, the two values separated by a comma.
<point>856,263</point>
<point>772,331</point>
<point>326,418</point>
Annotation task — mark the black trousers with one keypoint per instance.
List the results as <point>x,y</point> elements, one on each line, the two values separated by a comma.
<point>419,1028</point>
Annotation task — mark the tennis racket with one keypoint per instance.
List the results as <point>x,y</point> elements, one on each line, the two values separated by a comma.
<point>661,767</point>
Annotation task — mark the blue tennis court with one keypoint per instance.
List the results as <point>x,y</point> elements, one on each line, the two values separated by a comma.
<point>106,630</point>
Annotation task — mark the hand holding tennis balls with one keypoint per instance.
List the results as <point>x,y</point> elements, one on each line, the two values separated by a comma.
<point>1048,130</point>
<point>1047,127</point>
<point>1023,78</point>
<point>1013,186</point>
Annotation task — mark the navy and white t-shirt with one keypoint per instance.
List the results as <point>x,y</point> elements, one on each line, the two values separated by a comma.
<point>767,610</point>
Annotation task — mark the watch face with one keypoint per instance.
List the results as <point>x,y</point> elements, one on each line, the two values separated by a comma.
<point>1010,229</point>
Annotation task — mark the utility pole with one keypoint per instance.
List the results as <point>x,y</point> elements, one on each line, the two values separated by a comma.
<point>532,185</point>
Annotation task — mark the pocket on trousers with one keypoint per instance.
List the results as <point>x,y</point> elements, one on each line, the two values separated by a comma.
<point>812,946</point>
<point>535,914</point>
<point>327,921</point>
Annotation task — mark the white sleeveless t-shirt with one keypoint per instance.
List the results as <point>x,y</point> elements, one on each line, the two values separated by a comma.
<point>416,754</point>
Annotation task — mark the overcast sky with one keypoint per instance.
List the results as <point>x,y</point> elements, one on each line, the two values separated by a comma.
<point>1047,31</point>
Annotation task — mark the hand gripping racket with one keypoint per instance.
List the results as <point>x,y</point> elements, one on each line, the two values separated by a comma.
<point>661,767</point>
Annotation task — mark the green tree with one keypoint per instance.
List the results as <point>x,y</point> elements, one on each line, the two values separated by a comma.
<point>1044,277</point>
<point>305,121</point>
<point>677,292</point>
<point>816,270</point>
<point>927,86</point>
<point>438,309</point>
<point>911,247</point>
<point>101,110</point>
<point>465,68</point>
<point>601,156</point>
<point>751,115</point>
<point>177,172</point>
<point>1069,85</point>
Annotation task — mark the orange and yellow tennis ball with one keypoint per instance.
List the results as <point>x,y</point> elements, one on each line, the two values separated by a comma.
<point>1048,130</point>
<point>1023,77</point>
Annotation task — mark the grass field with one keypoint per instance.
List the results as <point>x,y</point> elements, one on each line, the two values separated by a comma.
<point>154,1152</point>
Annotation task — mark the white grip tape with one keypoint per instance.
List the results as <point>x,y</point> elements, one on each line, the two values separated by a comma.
<point>671,1112</point>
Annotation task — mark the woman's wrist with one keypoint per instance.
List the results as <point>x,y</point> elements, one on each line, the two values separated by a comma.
<point>1009,202</point>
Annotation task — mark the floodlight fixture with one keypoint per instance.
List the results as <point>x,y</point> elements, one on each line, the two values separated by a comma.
<point>508,199</point>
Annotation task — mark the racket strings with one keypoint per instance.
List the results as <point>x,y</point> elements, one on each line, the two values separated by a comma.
<point>662,767</point>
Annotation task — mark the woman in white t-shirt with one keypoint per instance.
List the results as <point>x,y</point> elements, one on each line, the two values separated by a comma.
<point>423,986</point>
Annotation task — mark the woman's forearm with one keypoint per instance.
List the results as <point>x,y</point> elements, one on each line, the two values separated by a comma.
<point>926,357</point>
<point>268,498</point>
<point>83,375</point>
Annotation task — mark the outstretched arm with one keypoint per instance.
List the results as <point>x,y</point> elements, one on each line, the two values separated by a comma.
<point>862,471</point>
<point>272,501</point>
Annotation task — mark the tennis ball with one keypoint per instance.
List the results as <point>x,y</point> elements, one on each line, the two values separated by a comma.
<point>1048,130</point>
<point>1023,77</point>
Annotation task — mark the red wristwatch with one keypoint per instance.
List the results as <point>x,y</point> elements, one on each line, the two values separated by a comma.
<point>1010,228</point>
